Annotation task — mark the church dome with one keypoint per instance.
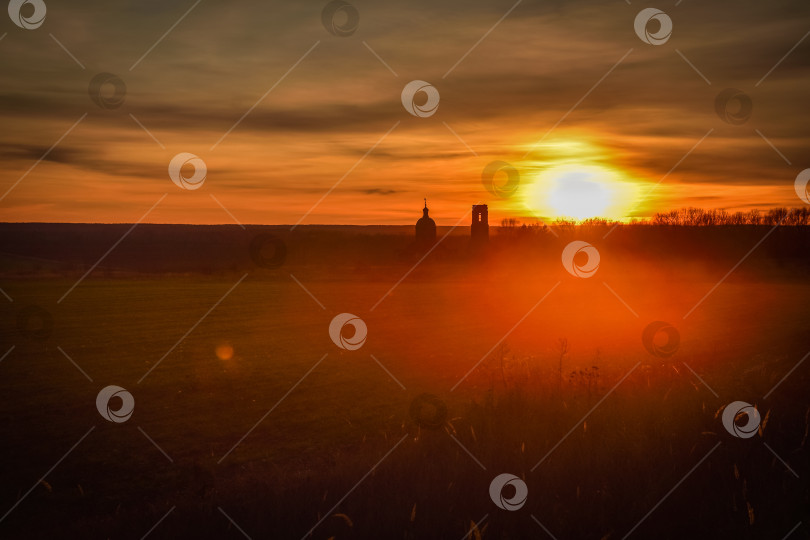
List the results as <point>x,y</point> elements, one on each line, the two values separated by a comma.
<point>426,220</point>
<point>425,228</point>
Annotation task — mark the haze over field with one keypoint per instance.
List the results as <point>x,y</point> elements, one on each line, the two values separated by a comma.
<point>255,412</point>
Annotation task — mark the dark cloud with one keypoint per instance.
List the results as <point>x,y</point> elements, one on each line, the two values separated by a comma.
<point>25,152</point>
<point>380,191</point>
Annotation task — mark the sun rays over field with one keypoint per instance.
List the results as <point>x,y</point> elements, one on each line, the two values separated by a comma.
<point>263,409</point>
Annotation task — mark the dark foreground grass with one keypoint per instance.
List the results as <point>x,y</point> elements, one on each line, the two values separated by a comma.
<point>518,413</point>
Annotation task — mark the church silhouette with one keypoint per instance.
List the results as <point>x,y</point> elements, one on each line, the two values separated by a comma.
<point>479,228</point>
<point>425,229</point>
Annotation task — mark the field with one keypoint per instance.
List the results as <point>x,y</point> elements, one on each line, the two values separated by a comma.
<point>250,421</point>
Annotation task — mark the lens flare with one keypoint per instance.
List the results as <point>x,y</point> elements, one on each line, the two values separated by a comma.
<point>224,351</point>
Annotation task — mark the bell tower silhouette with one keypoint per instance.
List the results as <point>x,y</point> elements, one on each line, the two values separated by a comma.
<point>479,229</point>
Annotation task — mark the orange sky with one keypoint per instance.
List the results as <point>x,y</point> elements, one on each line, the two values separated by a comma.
<point>573,74</point>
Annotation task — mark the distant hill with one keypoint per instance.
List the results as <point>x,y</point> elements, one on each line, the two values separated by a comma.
<point>68,249</point>
<point>156,248</point>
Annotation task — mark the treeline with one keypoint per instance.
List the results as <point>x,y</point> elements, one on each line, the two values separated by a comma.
<point>701,217</point>
<point>690,217</point>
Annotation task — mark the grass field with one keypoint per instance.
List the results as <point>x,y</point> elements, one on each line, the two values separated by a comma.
<point>523,404</point>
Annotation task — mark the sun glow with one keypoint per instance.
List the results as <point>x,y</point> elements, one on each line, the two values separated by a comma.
<point>580,192</point>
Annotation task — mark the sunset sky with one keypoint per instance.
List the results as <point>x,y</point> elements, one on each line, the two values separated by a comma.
<point>644,108</point>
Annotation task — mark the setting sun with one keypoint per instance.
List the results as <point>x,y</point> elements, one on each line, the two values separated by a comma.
<point>580,192</point>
